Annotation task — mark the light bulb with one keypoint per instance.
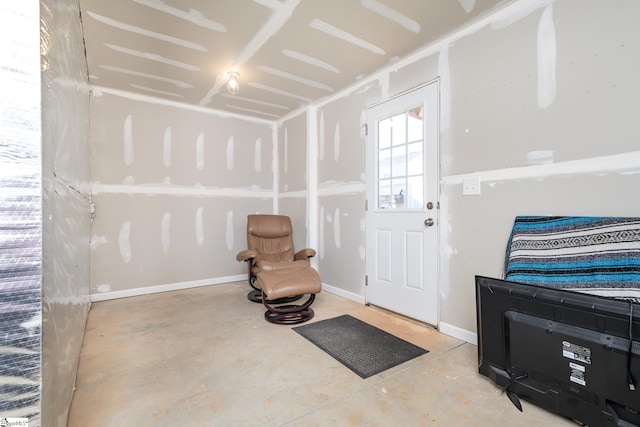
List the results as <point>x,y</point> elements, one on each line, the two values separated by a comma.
<point>232,85</point>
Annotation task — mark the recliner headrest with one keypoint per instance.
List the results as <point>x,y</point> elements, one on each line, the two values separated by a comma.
<point>269,226</point>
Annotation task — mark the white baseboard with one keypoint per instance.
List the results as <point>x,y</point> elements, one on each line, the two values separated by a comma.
<point>456,332</point>
<point>342,293</point>
<point>104,296</point>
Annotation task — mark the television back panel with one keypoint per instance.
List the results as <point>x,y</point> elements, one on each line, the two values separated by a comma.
<point>576,363</point>
<point>564,351</point>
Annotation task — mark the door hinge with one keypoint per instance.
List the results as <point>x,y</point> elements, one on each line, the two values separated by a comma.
<point>366,129</point>
<point>366,205</point>
<point>366,280</point>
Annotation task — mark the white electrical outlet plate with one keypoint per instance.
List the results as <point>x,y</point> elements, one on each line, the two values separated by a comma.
<point>471,187</point>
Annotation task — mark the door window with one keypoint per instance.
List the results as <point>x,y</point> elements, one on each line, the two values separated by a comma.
<point>401,161</point>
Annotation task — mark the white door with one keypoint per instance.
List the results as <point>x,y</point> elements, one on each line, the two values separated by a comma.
<point>402,204</point>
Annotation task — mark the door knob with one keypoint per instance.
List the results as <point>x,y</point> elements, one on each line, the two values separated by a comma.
<point>429,222</point>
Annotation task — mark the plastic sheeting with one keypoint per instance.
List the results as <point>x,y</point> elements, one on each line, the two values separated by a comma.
<point>66,204</point>
<point>20,212</point>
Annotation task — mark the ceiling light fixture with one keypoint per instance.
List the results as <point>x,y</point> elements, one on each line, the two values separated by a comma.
<point>232,84</point>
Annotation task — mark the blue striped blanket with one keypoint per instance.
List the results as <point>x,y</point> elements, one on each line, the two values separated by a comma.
<point>598,255</point>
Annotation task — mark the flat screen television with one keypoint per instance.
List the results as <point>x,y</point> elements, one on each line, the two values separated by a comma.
<point>572,353</point>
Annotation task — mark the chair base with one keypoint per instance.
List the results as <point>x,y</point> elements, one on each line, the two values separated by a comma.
<point>289,314</point>
<point>289,318</point>
<point>256,296</point>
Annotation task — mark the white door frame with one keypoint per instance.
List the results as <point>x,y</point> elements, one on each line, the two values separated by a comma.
<point>433,176</point>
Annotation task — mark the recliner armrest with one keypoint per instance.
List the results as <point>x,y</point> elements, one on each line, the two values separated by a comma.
<point>245,255</point>
<point>304,254</point>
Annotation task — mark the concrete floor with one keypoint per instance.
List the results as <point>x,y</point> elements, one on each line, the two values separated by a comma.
<point>206,357</point>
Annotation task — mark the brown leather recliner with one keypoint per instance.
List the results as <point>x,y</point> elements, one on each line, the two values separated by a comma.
<point>277,274</point>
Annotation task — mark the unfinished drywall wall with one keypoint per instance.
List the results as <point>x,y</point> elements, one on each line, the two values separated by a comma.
<point>595,57</point>
<point>172,186</point>
<point>341,194</point>
<point>537,122</point>
<point>292,177</point>
<point>322,183</point>
<point>537,100</point>
<point>537,92</point>
<point>20,214</point>
<point>66,204</point>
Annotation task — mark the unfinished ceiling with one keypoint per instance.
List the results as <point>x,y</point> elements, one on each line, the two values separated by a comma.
<point>289,53</point>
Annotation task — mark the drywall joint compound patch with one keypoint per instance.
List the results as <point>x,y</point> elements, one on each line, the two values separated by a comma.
<point>128,140</point>
<point>336,143</point>
<point>230,148</point>
<point>230,230</point>
<point>321,132</point>
<point>336,228</point>
<point>546,59</point>
<point>467,5</point>
<point>165,231</point>
<point>200,226</point>
<point>194,16</point>
<point>257,161</point>
<point>166,152</point>
<point>200,152</point>
<point>123,241</point>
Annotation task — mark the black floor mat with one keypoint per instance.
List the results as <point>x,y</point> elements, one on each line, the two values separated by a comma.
<point>363,348</point>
